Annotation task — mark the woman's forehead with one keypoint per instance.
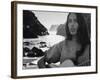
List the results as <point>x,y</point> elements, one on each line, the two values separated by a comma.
<point>72,15</point>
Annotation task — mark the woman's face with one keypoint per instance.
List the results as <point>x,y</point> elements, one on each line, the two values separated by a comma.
<point>73,24</point>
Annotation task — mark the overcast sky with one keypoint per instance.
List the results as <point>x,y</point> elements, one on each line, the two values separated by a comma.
<point>48,18</point>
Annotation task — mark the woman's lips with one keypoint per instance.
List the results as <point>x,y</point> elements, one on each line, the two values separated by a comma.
<point>73,30</point>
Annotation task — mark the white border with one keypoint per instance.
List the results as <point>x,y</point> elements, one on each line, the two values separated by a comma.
<point>21,72</point>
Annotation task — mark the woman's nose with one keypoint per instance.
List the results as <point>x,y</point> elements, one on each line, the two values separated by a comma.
<point>72,25</point>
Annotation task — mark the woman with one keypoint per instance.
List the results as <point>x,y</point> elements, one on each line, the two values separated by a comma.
<point>75,45</point>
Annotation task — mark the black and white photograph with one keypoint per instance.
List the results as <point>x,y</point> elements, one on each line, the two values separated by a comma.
<point>56,39</point>
<point>53,39</point>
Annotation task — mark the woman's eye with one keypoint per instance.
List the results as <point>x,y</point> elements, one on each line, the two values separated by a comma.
<point>75,20</point>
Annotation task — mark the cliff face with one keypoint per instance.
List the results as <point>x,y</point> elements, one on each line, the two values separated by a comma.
<point>32,28</point>
<point>53,28</point>
<point>61,30</point>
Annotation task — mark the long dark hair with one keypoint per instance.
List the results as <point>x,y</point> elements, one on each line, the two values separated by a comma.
<point>82,33</point>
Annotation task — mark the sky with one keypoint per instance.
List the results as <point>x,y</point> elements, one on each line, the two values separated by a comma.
<point>48,18</point>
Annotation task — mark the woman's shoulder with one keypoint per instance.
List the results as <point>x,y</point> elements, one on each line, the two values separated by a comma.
<point>59,45</point>
<point>62,43</point>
